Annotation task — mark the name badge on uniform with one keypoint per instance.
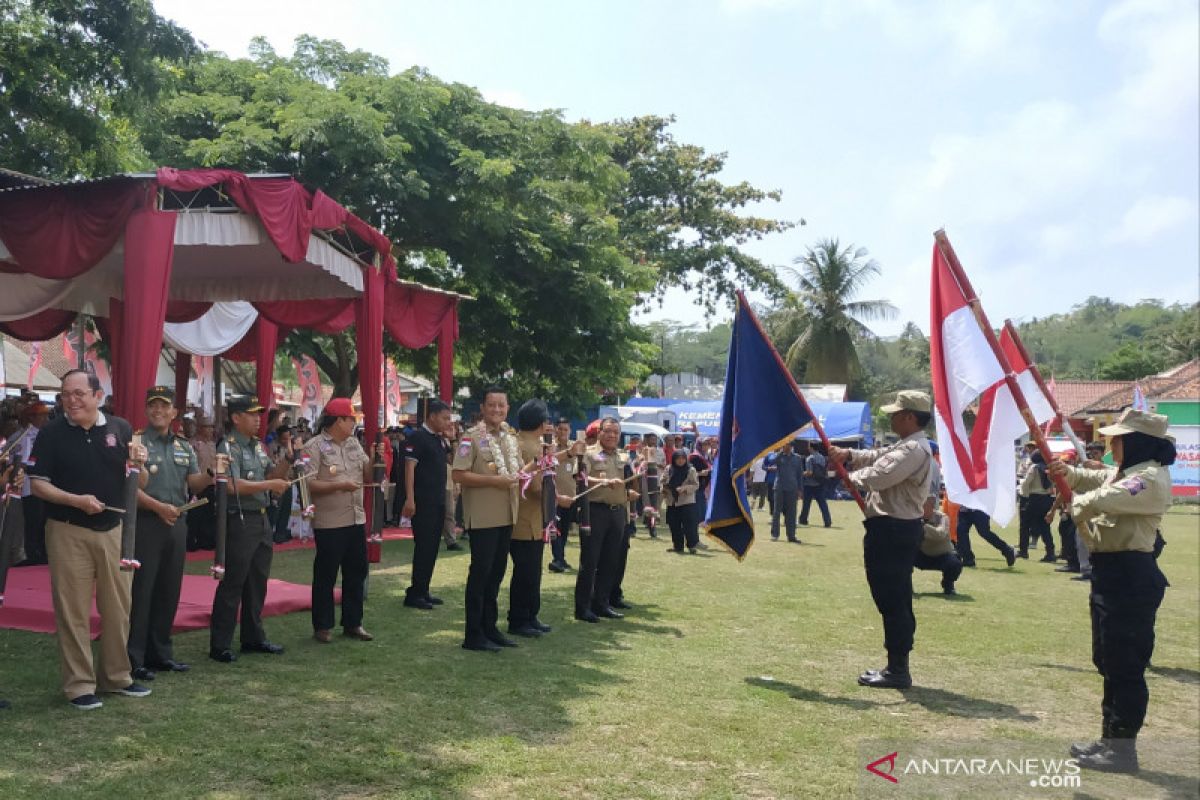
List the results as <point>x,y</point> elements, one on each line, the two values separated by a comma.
<point>600,456</point>
<point>464,448</point>
<point>1134,485</point>
<point>153,469</point>
<point>326,447</point>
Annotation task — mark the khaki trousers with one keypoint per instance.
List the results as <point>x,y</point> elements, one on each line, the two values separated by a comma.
<point>82,560</point>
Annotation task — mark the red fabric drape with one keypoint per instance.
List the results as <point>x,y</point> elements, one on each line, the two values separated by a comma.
<point>149,247</point>
<point>186,310</point>
<point>413,318</point>
<point>63,231</point>
<point>286,210</point>
<point>446,340</point>
<point>311,314</point>
<point>41,326</point>
<point>183,371</point>
<point>247,347</point>
<point>264,367</point>
<point>369,338</point>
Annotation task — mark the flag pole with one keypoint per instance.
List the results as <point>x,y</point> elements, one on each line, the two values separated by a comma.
<point>1050,398</point>
<point>816,423</point>
<point>1010,379</point>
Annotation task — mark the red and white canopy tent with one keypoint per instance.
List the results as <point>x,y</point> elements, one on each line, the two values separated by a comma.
<point>227,262</point>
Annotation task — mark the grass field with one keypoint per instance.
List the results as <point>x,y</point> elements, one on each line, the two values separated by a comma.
<point>726,680</point>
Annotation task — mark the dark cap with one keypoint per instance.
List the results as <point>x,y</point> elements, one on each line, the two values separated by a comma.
<point>243,404</point>
<point>160,393</point>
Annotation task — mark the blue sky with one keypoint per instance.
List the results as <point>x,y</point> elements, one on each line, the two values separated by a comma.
<point>1057,142</point>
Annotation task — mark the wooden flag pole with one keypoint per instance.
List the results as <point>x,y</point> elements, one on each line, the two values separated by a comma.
<point>1037,377</point>
<point>1035,430</point>
<point>816,423</point>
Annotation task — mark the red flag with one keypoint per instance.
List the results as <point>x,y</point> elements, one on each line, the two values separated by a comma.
<point>35,361</point>
<point>979,469</point>
<point>310,387</point>
<point>392,393</point>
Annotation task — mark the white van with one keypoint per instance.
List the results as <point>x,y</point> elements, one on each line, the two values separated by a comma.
<point>631,429</point>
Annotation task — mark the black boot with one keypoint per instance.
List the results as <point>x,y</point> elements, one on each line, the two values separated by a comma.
<point>1079,749</point>
<point>1120,755</point>
<point>894,676</point>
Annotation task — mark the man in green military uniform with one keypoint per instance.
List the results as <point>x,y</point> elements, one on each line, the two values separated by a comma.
<point>253,476</point>
<point>161,543</point>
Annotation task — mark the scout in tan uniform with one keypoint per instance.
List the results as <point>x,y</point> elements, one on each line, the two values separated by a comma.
<point>339,467</point>
<point>487,465</point>
<point>1118,514</point>
<point>161,543</point>
<point>895,483</point>
<point>528,537</point>
<point>937,551</point>
<point>600,550</point>
<point>1036,501</point>
<point>568,512</point>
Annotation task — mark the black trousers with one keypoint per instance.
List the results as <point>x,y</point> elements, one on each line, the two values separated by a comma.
<point>599,556</point>
<point>1127,589</point>
<point>202,524</point>
<point>890,548</point>
<point>684,523</point>
<point>949,564</point>
<point>1066,538</point>
<point>1033,522</point>
<point>489,561</point>
<point>566,518</point>
<point>525,589</point>
<point>616,592</point>
<point>162,549</point>
<point>983,523</point>
<point>34,509</point>
<point>785,505</point>
<point>770,497</point>
<point>342,549</point>
<point>816,493</point>
<point>247,567</point>
<point>427,525</point>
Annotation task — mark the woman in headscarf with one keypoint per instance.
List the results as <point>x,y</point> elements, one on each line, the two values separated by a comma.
<point>1118,515</point>
<point>683,513</point>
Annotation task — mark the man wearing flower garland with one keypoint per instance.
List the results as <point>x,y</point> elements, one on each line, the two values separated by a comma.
<point>487,465</point>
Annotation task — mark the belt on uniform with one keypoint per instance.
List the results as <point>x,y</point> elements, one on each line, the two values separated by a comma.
<point>234,511</point>
<point>610,506</point>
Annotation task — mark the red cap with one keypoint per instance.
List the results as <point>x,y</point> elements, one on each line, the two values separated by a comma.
<point>339,407</point>
<point>593,428</point>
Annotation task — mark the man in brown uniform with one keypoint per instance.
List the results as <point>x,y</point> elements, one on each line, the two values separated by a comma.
<point>528,537</point>
<point>895,482</point>
<point>600,550</point>
<point>486,465</point>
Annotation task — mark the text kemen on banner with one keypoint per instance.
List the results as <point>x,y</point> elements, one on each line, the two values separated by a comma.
<point>762,409</point>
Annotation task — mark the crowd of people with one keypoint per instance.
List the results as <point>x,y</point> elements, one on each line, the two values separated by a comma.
<point>68,468</point>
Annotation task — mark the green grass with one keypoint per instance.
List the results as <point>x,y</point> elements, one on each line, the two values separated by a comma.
<point>727,680</point>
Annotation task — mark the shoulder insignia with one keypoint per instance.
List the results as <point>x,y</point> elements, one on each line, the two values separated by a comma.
<point>464,448</point>
<point>1134,485</point>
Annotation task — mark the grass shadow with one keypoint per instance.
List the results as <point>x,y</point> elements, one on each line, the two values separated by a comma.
<point>958,597</point>
<point>811,695</point>
<point>952,704</point>
<point>1181,674</point>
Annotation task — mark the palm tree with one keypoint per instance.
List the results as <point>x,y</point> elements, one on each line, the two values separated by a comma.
<point>824,314</point>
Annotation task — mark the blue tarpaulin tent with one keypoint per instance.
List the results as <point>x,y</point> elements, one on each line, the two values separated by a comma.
<point>840,420</point>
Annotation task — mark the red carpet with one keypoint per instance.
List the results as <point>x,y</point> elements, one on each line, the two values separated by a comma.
<point>29,607</point>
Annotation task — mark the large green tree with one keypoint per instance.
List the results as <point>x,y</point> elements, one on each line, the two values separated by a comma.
<point>824,313</point>
<point>76,78</point>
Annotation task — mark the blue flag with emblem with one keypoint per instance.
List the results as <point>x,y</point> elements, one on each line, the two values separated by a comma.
<point>762,409</point>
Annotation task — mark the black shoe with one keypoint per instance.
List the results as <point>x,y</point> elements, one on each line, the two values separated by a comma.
<point>674,549</point>
<point>1049,558</point>
<point>526,631</point>
<point>134,690</point>
<point>586,616</point>
<point>794,540</point>
<point>87,702</point>
<point>170,666</point>
<point>621,604</point>
<point>885,679</point>
<point>433,601</point>
<point>143,674</point>
<point>1067,568</point>
<point>263,647</point>
<point>418,602</point>
<point>949,591</point>
<point>541,626</point>
<point>498,638</point>
<point>566,565</point>
<point>453,546</point>
<point>482,645</point>
<point>1079,749</point>
<point>1010,556</point>
<point>225,656</point>
<point>1083,576</point>
<point>1022,554</point>
<point>556,567</point>
<point>609,613</point>
<point>970,563</point>
<point>1119,755</point>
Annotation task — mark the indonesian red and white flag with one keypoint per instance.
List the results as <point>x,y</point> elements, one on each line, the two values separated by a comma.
<point>979,468</point>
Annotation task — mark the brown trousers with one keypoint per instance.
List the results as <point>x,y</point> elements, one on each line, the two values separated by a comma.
<point>81,561</point>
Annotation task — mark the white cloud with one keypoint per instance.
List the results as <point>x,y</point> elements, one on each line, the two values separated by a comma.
<point>507,97</point>
<point>1151,216</point>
